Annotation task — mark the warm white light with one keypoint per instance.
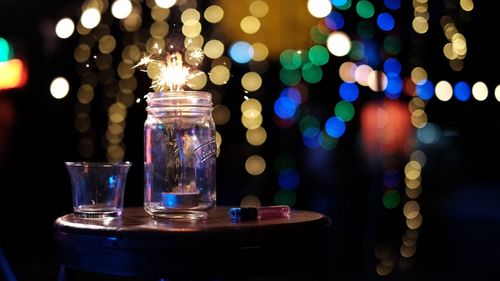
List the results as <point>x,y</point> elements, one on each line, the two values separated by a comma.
<point>121,9</point>
<point>497,93</point>
<point>90,18</point>
<point>338,43</point>
<point>319,8</point>
<point>65,28</point>
<point>480,91</point>
<point>165,3</point>
<point>444,91</point>
<point>59,87</point>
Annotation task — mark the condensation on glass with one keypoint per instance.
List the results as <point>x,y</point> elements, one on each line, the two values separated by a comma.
<point>179,155</point>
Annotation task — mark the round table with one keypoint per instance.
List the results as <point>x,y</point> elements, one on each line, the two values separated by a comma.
<point>138,245</point>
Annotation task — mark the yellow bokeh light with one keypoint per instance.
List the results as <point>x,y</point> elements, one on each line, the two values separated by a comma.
<point>219,75</point>
<point>117,112</point>
<point>338,43</point>
<point>85,94</point>
<point>190,16</point>
<point>132,22</point>
<point>218,139</point>
<point>419,156</point>
<point>121,9</point>
<point>319,8</point>
<point>250,201</point>
<point>415,222</point>
<point>250,24</point>
<point>107,44</point>
<point>497,92</point>
<point>221,114</point>
<point>383,270</point>
<point>159,14</point>
<point>413,193</point>
<point>347,72</point>
<point>214,14</point>
<point>456,65</point>
<point>197,80</point>
<point>255,165</point>
<point>159,29</point>
<point>412,184</point>
<point>251,81</point>
<point>165,3</point>
<point>259,8</point>
<point>260,51</point>
<point>418,75</point>
<point>257,136</point>
<point>251,104</point>
<point>125,70</point>
<point>214,49</point>
<point>194,43</point>
<point>480,91</point>
<point>377,81</point>
<point>59,87</point>
<point>449,52</point>
<point>251,122</point>
<point>419,118</point>
<point>407,251</point>
<point>65,28</point>
<point>416,103</point>
<point>467,5</point>
<point>444,90</point>
<point>420,25</point>
<point>411,209</point>
<point>192,29</point>
<point>82,53</point>
<point>90,18</point>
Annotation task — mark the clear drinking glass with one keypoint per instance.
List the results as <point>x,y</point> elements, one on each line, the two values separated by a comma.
<point>179,155</point>
<point>98,188</point>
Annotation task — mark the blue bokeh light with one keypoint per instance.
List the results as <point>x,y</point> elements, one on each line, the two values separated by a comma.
<point>335,127</point>
<point>385,21</point>
<point>334,21</point>
<point>425,90</point>
<point>241,52</point>
<point>285,107</point>
<point>311,142</point>
<point>462,91</point>
<point>392,67</point>
<point>349,91</point>
<point>392,4</point>
<point>293,94</point>
<point>288,179</point>
<point>394,87</point>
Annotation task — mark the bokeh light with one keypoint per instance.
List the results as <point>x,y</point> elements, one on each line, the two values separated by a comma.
<point>59,87</point>
<point>319,8</point>
<point>65,28</point>
<point>121,9</point>
<point>241,52</point>
<point>462,91</point>
<point>480,91</point>
<point>213,14</point>
<point>444,90</point>
<point>255,165</point>
<point>338,43</point>
<point>90,18</point>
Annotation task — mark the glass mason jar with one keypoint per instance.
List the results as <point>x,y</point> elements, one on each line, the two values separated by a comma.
<point>179,155</point>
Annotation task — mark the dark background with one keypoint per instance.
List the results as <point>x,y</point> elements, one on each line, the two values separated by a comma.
<point>460,201</point>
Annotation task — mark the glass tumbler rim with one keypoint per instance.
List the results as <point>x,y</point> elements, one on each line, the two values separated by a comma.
<point>97,164</point>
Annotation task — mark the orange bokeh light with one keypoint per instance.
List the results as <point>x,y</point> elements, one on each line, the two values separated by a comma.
<point>13,74</point>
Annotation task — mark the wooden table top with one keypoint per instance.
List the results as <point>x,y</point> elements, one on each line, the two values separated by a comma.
<point>135,220</point>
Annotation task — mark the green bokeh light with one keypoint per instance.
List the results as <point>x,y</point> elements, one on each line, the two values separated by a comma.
<point>357,51</point>
<point>344,6</point>
<point>391,199</point>
<point>365,29</point>
<point>285,197</point>
<point>317,35</point>
<point>319,55</point>
<point>289,77</point>
<point>344,110</point>
<point>308,122</point>
<point>5,50</point>
<point>327,142</point>
<point>312,73</point>
<point>365,9</point>
<point>287,59</point>
<point>392,45</point>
